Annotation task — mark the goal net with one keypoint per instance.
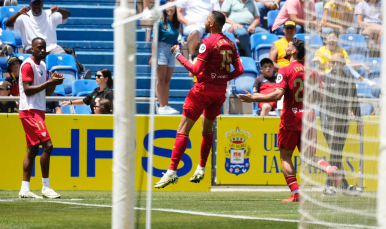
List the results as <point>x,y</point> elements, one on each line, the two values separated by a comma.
<point>342,119</point>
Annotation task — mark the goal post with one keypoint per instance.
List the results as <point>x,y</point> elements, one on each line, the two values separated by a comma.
<point>124,120</point>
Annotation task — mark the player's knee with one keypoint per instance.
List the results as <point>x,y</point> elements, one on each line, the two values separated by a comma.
<point>48,147</point>
<point>266,107</point>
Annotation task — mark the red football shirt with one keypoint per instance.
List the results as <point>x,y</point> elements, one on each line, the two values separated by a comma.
<point>291,79</point>
<point>219,53</point>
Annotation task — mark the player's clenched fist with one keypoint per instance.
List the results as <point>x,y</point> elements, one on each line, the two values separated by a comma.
<point>176,50</point>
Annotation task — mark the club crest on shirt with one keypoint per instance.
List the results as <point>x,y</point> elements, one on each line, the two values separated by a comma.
<point>202,48</point>
<point>44,134</point>
<point>279,78</point>
<point>237,152</point>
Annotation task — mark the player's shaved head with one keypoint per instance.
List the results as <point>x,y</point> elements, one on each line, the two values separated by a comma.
<point>36,39</point>
<point>338,57</point>
<point>218,18</point>
<point>38,48</point>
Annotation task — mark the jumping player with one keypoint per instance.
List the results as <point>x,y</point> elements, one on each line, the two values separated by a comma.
<point>290,83</point>
<point>34,87</point>
<point>216,54</point>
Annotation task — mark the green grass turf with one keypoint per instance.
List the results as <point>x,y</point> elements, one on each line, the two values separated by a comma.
<point>22,213</point>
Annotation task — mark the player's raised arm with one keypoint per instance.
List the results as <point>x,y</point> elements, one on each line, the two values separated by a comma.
<point>193,68</point>
<point>257,97</point>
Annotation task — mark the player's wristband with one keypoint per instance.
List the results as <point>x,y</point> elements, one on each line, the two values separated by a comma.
<point>177,52</point>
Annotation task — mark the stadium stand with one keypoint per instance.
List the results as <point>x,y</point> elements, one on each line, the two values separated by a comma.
<point>83,87</point>
<point>59,90</point>
<point>64,64</point>
<point>271,16</point>
<point>261,45</point>
<point>355,45</point>
<point>7,37</point>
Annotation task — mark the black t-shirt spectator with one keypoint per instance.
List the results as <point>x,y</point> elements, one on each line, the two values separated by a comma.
<point>15,85</point>
<point>8,107</point>
<point>106,93</point>
<point>264,85</point>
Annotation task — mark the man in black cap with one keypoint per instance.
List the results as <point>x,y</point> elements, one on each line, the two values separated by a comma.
<point>39,23</point>
<point>265,84</point>
<point>6,106</point>
<point>13,69</point>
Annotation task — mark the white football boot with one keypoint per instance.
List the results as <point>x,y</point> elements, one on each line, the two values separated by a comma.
<point>49,193</point>
<point>166,180</point>
<point>29,194</point>
<point>198,175</point>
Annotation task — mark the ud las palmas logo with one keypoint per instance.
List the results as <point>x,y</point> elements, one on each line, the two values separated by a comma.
<point>237,152</point>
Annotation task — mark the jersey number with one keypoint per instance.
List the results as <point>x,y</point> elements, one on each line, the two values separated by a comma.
<point>300,81</point>
<point>226,60</point>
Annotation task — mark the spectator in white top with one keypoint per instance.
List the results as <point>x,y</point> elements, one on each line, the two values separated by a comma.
<point>39,23</point>
<point>369,18</point>
<point>193,14</point>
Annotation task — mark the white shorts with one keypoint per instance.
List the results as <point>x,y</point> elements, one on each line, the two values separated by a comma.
<point>191,28</point>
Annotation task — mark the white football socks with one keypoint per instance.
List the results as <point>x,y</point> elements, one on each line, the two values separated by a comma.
<point>171,172</point>
<point>46,184</point>
<point>24,187</point>
<point>295,191</point>
<point>199,167</point>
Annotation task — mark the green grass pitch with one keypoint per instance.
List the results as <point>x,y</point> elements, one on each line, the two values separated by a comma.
<point>92,209</point>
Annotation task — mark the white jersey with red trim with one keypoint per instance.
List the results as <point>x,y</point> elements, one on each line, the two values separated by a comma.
<point>37,76</point>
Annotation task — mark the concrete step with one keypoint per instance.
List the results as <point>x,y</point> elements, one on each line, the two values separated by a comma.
<point>92,34</point>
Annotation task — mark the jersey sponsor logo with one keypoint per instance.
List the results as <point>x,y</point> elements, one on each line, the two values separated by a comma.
<point>202,48</point>
<point>213,75</point>
<point>237,152</point>
<point>279,78</point>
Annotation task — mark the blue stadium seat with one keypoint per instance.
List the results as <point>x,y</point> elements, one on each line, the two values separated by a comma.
<point>354,44</point>
<point>365,108</point>
<point>2,79</point>
<point>66,110</point>
<point>3,62</point>
<point>271,16</point>
<point>6,12</point>
<point>64,64</point>
<point>7,37</point>
<point>83,87</point>
<point>313,40</point>
<point>261,45</point>
<point>364,90</point>
<point>232,38</point>
<point>59,90</point>
<point>84,109</point>
<point>22,56</point>
<point>375,65</point>
<point>246,80</point>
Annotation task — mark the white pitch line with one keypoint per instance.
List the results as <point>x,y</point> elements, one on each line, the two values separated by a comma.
<point>223,215</point>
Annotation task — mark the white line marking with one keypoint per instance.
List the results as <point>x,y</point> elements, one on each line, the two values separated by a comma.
<point>224,215</point>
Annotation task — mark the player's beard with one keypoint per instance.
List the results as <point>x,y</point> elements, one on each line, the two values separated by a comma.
<point>207,29</point>
<point>287,56</point>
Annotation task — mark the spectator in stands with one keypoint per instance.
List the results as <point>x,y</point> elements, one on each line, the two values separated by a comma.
<point>294,10</point>
<point>265,84</point>
<point>277,53</point>
<point>5,50</point>
<point>242,19</point>
<point>6,106</point>
<point>105,82</point>
<point>338,15</point>
<point>103,106</point>
<point>39,23</point>
<point>168,35</point>
<point>194,19</point>
<point>10,3</point>
<point>53,106</point>
<point>324,54</point>
<point>267,5</point>
<point>14,69</point>
<point>369,18</point>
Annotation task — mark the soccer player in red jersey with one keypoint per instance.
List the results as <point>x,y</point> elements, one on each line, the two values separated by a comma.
<point>213,71</point>
<point>34,86</point>
<point>290,83</point>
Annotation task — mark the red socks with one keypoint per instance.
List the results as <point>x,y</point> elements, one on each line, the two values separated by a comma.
<point>292,183</point>
<point>179,148</point>
<point>206,145</point>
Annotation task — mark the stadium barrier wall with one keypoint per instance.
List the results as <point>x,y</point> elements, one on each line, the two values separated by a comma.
<point>82,156</point>
<point>248,153</point>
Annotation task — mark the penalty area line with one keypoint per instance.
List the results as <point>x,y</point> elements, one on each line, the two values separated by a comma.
<point>223,215</point>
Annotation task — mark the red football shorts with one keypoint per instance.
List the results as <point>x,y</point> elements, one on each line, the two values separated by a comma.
<point>273,105</point>
<point>208,102</point>
<point>35,128</point>
<point>288,140</point>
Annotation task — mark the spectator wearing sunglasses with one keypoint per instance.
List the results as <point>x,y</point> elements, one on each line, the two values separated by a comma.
<point>103,106</point>
<point>105,82</point>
